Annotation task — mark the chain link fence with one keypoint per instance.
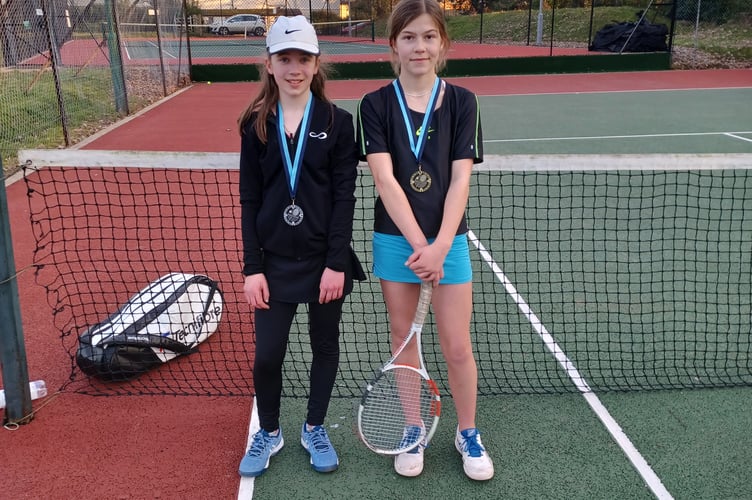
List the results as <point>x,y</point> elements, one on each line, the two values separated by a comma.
<point>70,67</point>
<point>713,33</point>
<point>721,28</point>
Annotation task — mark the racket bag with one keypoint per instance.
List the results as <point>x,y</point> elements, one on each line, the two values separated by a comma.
<point>167,319</point>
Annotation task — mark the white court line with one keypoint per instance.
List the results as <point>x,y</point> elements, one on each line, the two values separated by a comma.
<point>163,50</point>
<point>626,91</point>
<point>632,136</point>
<point>245,490</point>
<point>733,134</point>
<point>613,427</point>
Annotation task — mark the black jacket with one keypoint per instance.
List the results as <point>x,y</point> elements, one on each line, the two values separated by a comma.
<point>325,192</point>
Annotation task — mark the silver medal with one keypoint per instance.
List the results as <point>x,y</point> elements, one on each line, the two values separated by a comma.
<point>293,215</point>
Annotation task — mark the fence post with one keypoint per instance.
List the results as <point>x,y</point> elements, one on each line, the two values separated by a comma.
<point>116,59</point>
<point>159,47</point>
<point>47,10</point>
<point>480,36</point>
<point>539,32</point>
<point>697,21</point>
<point>18,408</point>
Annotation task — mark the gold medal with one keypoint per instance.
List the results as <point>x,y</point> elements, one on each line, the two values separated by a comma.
<point>420,181</point>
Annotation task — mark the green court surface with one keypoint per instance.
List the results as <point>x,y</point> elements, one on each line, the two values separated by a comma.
<point>240,48</point>
<point>668,121</point>
<point>689,121</point>
<point>543,447</point>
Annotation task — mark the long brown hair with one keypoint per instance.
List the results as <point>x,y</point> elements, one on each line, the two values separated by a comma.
<point>265,102</point>
<point>405,12</point>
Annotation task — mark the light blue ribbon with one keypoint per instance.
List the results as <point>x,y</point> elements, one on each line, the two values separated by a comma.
<point>292,167</point>
<point>417,147</point>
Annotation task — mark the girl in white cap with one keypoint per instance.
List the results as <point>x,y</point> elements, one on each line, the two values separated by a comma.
<point>297,181</point>
<point>421,136</point>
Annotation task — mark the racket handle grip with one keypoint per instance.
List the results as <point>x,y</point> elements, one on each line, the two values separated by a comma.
<point>424,302</point>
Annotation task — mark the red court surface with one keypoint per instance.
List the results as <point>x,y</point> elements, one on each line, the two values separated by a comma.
<point>203,117</point>
<point>143,447</point>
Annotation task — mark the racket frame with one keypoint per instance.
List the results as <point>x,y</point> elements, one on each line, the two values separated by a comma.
<point>421,311</point>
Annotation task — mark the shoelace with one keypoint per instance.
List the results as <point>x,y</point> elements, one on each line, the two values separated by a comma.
<point>472,446</point>
<point>259,444</point>
<point>319,440</point>
<point>412,433</point>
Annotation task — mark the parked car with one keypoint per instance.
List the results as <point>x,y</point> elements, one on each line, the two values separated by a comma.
<point>240,23</point>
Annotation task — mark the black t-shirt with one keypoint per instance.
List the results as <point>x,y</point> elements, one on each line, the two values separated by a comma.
<point>453,134</point>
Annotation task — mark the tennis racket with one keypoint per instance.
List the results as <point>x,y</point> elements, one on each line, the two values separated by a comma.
<point>400,407</point>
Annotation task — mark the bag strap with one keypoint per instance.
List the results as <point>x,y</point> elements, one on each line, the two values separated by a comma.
<point>149,340</point>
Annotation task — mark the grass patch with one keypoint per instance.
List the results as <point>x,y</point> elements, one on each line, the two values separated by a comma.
<point>573,26</point>
<point>31,118</point>
<point>716,37</point>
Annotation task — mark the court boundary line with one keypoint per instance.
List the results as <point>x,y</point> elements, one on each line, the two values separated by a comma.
<point>632,136</point>
<point>733,134</point>
<point>586,92</point>
<point>247,484</point>
<point>612,426</point>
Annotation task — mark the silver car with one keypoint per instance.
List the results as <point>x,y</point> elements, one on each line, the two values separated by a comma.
<point>240,23</point>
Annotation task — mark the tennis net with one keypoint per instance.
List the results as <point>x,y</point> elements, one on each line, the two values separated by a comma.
<point>634,277</point>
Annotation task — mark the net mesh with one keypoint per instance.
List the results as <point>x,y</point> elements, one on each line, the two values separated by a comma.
<point>611,280</point>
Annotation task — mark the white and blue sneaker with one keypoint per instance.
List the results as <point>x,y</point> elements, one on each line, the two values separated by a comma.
<point>475,459</point>
<point>410,463</point>
<point>263,447</point>
<point>317,444</point>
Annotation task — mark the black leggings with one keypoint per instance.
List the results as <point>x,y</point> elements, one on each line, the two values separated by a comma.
<point>272,333</point>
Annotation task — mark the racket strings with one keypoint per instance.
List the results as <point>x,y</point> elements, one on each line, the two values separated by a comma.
<point>399,398</point>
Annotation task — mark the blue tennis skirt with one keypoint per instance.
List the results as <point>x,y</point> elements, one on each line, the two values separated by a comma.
<point>391,252</point>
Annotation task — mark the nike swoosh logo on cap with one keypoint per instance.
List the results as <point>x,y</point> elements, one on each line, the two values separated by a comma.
<point>287,32</point>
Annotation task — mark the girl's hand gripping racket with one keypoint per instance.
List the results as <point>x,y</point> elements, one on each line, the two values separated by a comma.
<point>400,407</point>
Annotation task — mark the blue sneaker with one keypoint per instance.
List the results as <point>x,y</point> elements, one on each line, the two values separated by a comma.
<point>316,442</point>
<point>410,463</point>
<point>475,460</point>
<point>263,447</point>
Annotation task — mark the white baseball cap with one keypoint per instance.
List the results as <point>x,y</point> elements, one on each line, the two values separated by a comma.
<point>292,33</point>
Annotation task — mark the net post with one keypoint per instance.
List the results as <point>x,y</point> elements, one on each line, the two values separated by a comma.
<point>15,371</point>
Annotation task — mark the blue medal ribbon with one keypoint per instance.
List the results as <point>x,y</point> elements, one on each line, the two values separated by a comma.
<point>418,146</point>
<point>292,167</point>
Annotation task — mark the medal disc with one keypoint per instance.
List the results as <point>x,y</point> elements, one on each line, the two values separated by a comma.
<point>420,181</point>
<point>293,215</point>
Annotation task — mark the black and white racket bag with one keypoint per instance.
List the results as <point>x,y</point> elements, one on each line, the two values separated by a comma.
<point>167,319</point>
